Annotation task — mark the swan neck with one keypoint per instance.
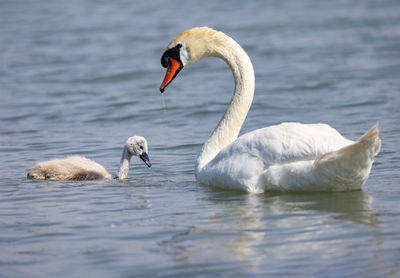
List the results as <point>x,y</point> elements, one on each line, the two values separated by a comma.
<point>124,164</point>
<point>230,124</point>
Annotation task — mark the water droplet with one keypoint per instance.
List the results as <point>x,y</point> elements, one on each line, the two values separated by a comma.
<point>163,102</point>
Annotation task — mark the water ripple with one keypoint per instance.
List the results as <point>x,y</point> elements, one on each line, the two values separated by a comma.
<point>81,77</point>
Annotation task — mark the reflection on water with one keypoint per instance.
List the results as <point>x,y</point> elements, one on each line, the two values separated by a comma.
<point>355,206</point>
<point>254,227</point>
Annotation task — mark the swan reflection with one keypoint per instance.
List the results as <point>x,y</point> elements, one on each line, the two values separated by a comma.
<point>254,229</point>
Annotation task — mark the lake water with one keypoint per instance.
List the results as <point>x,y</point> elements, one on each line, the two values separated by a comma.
<point>80,77</point>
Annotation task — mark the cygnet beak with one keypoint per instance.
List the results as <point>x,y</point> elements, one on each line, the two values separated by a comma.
<point>145,159</point>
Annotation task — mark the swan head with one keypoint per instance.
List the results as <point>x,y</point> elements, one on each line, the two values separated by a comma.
<point>137,146</point>
<point>187,48</point>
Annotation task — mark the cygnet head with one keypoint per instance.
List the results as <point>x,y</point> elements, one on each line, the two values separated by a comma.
<point>137,145</point>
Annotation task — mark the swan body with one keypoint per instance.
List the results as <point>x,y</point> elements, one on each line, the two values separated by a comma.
<point>82,168</point>
<point>285,157</point>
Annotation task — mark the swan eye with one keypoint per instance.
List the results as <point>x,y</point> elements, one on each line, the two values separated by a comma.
<point>141,147</point>
<point>179,45</point>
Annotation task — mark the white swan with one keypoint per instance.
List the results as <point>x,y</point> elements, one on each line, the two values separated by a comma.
<point>81,168</point>
<point>285,157</point>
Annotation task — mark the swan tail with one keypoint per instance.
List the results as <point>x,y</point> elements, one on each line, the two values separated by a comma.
<point>351,165</point>
<point>364,149</point>
<point>345,169</point>
<point>372,136</point>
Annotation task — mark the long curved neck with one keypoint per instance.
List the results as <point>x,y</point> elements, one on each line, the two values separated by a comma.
<point>124,164</point>
<point>229,126</point>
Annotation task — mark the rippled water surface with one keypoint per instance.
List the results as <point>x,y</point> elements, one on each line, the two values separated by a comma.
<point>79,77</point>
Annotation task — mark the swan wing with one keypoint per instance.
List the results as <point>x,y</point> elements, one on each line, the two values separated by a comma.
<point>342,170</point>
<point>242,164</point>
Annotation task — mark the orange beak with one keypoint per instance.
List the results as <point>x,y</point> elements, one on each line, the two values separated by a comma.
<point>174,67</point>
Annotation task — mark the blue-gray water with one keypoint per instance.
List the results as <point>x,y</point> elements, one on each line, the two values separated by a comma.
<point>79,77</point>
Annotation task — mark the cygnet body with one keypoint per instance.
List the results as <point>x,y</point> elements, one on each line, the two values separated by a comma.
<point>82,168</point>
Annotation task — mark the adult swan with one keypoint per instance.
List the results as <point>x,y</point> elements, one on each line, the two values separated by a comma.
<point>285,157</point>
